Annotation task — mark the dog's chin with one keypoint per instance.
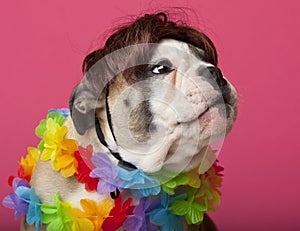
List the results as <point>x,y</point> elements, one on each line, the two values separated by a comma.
<point>214,124</point>
<point>186,164</point>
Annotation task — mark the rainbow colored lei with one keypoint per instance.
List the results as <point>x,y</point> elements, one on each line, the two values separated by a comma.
<point>159,208</point>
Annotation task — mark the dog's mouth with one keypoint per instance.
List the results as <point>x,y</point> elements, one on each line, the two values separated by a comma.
<point>215,122</point>
<point>225,110</point>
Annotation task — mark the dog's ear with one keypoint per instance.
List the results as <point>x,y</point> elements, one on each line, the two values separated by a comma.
<point>82,106</point>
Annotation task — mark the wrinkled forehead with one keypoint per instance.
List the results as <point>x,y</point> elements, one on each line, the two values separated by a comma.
<point>177,52</point>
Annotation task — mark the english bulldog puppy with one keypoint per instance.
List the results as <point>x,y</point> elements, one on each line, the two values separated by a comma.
<point>152,98</point>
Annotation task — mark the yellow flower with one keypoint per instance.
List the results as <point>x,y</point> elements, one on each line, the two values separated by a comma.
<point>208,192</point>
<point>80,223</point>
<point>77,222</point>
<point>96,213</point>
<point>28,163</point>
<point>53,137</point>
<point>66,161</point>
<point>194,180</point>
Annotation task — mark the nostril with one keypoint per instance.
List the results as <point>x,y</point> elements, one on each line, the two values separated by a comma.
<point>226,95</point>
<point>214,75</point>
<point>218,76</point>
<point>203,71</point>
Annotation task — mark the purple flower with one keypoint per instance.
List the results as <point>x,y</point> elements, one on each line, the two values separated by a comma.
<point>13,200</point>
<point>140,220</point>
<point>107,174</point>
<point>25,202</point>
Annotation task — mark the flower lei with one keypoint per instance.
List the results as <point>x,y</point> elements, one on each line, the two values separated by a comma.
<point>159,207</point>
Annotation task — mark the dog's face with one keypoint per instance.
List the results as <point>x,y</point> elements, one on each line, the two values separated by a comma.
<point>166,114</point>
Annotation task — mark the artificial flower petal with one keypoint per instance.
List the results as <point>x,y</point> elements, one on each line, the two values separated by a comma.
<point>131,178</point>
<point>82,224</point>
<point>69,170</point>
<point>191,209</point>
<point>141,185</point>
<point>194,179</point>
<point>96,213</point>
<point>180,179</point>
<point>41,128</point>
<point>83,171</point>
<point>118,214</point>
<point>208,192</point>
<point>162,217</point>
<point>68,146</point>
<point>140,220</point>
<point>57,215</point>
<point>53,137</point>
<point>59,115</point>
<point>17,182</point>
<point>34,214</point>
<point>106,172</point>
<point>64,160</point>
<point>86,155</point>
<point>14,201</point>
<point>28,163</point>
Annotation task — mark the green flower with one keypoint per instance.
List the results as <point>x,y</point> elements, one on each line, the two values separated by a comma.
<point>57,216</point>
<point>171,185</point>
<point>192,210</point>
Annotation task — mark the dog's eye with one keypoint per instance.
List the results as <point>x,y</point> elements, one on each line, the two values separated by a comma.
<point>162,67</point>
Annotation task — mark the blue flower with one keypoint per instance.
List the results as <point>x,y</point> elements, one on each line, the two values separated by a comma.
<point>161,216</point>
<point>141,185</point>
<point>34,214</point>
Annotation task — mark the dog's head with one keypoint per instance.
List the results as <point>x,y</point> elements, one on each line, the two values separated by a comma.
<point>153,96</point>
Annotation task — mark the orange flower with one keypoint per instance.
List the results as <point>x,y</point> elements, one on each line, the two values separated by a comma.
<point>66,161</point>
<point>96,213</point>
<point>28,163</point>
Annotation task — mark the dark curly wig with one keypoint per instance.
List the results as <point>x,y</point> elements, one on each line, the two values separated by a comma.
<point>152,28</point>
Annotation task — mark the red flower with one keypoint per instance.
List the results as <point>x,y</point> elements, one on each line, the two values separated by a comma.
<point>83,171</point>
<point>118,214</point>
<point>218,169</point>
<point>21,174</point>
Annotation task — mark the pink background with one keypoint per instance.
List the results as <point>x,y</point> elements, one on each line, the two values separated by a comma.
<point>42,47</point>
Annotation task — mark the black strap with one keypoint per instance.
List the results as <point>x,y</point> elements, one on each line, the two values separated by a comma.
<point>108,116</point>
<point>115,194</point>
<point>121,163</point>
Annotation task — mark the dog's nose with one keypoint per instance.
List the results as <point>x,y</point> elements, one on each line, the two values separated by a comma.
<point>218,76</point>
<point>214,73</point>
